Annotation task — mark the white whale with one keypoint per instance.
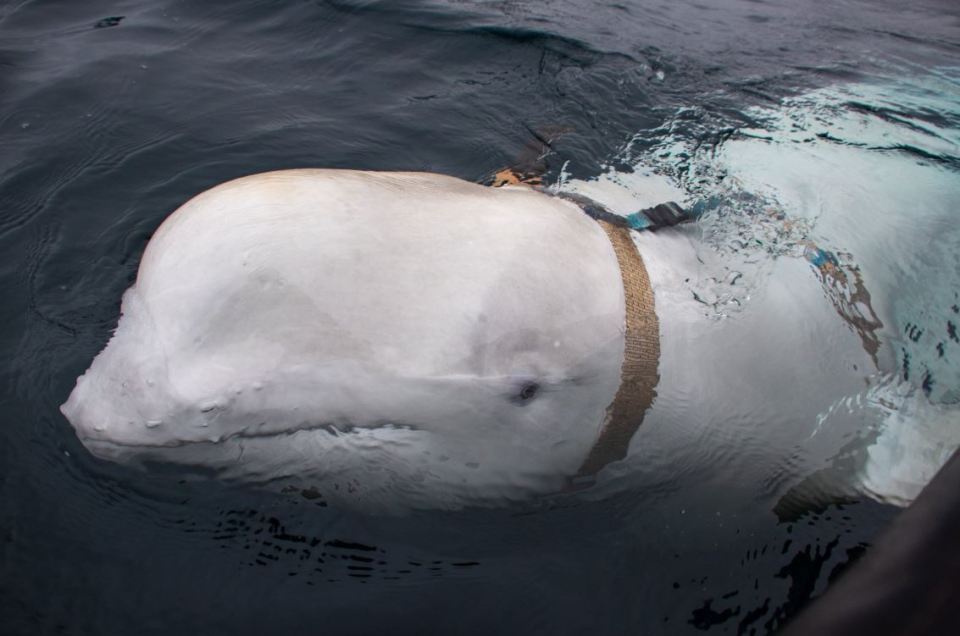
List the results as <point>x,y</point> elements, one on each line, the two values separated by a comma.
<point>402,337</point>
<point>404,340</point>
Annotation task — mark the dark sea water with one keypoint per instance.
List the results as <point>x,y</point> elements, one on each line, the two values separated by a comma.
<point>114,113</point>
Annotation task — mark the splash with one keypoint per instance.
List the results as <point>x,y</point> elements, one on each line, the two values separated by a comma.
<point>861,181</point>
<point>854,178</point>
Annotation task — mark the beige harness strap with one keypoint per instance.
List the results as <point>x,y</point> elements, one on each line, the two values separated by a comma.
<point>639,375</point>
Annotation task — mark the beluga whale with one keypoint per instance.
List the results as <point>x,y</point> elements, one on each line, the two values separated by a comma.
<point>397,340</point>
<point>386,339</point>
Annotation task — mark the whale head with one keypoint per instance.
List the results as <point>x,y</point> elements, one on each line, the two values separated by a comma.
<point>411,340</point>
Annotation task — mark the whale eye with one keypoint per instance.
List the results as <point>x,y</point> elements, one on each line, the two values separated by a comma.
<point>527,391</point>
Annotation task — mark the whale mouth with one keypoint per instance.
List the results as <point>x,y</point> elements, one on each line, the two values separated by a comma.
<point>334,429</point>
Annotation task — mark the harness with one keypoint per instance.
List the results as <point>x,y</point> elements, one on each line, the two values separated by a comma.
<point>641,357</point>
<point>639,373</point>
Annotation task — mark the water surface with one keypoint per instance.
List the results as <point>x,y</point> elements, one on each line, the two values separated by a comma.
<point>844,116</point>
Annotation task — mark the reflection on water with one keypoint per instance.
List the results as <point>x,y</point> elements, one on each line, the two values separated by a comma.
<point>817,141</point>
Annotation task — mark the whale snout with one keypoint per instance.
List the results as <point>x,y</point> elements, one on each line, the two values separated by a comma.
<point>117,409</point>
<point>103,418</point>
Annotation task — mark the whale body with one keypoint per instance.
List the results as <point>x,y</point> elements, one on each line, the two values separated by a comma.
<point>389,341</point>
<point>391,338</point>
